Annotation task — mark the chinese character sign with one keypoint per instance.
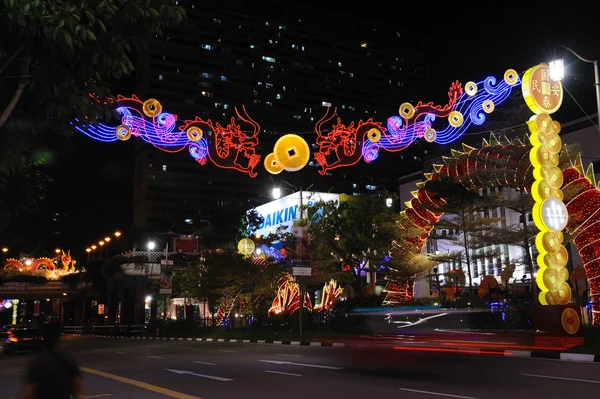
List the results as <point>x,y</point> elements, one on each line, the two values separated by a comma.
<point>542,95</point>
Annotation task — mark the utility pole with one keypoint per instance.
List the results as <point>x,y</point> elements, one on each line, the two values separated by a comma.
<point>300,277</point>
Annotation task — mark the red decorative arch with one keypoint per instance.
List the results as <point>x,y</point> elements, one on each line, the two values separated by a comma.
<point>507,164</point>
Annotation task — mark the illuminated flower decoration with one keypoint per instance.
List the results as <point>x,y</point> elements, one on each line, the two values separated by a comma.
<point>330,295</point>
<point>287,299</point>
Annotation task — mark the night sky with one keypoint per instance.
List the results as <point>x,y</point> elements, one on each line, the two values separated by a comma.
<point>461,44</point>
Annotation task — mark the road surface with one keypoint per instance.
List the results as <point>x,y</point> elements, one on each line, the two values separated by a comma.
<point>132,369</point>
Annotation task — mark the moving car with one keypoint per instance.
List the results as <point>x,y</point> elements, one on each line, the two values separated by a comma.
<point>20,339</point>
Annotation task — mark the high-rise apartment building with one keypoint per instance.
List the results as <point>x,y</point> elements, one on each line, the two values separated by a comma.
<point>285,66</point>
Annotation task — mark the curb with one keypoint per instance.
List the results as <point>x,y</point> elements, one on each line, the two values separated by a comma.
<point>570,357</point>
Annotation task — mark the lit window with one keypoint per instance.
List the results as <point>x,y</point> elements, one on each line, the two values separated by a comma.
<point>283,88</point>
<point>225,106</point>
<point>302,48</point>
<point>205,75</point>
<point>278,96</point>
<point>297,117</point>
<point>270,41</point>
<point>351,74</point>
<point>216,21</point>
<point>326,104</point>
<point>269,85</point>
<point>164,168</point>
<point>218,105</point>
<point>269,103</point>
<point>206,47</point>
<point>266,23</point>
<point>340,64</point>
<point>160,77</point>
<point>268,59</point>
<point>282,27</point>
<point>188,221</point>
<point>371,187</point>
<point>252,46</point>
<point>354,185</point>
<point>295,47</point>
<point>223,78</point>
<point>363,45</point>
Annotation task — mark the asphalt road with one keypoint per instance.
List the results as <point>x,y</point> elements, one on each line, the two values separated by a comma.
<point>121,368</point>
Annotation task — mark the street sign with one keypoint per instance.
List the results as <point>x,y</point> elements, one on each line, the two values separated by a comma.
<point>302,271</point>
<point>166,262</point>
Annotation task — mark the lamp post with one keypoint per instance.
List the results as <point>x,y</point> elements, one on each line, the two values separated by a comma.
<point>88,250</point>
<point>93,247</point>
<point>557,73</point>
<point>107,240</point>
<point>4,251</point>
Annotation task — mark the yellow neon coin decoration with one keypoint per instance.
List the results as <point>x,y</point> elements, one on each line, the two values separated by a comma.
<point>471,88</point>
<point>488,106</point>
<point>511,77</point>
<point>542,95</point>
<point>430,135</point>
<point>152,107</point>
<point>553,176</point>
<point>194,133</point>
<point>272,165</point>
<point>374,135</point>
<point>570,321</point>
<point>552,241</point>
<point>406,110</point>
<point>551,141</point>
<point>563,293</point>
<point>292,152</point>
<point>455,118</point>
<point>552,279</point>
<point>556,127</point>
<point>123,132</point>
<point>246,246</point>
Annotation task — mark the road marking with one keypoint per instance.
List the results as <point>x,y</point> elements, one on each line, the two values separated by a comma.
<point>284,354</point>
<point>122,353</point>
<point>560,378</point>
<point>436,393</point>
<point>98,396</point>
<point>210,364</point>
<point>212,377</point>
<point>225,350</point>
<point>140,384</point>
<point>282,373</point>
<point>318,366</point>
<point>155,357</point>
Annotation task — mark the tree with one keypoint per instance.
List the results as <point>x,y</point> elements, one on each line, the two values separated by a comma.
<point>352,234</point>
<point>463,224</point>
<point>55,55</point>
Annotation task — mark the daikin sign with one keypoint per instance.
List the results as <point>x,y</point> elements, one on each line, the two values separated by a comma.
<point>286,210</point>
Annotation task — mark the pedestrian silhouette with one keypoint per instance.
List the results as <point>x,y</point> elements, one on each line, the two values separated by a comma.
<point>53,373</point>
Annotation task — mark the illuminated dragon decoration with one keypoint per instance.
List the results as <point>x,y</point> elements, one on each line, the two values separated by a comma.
<point>507,164</point>
<point>344,145</point>
<point>229,147</point>
<point>51,268</point>
<point>225,146</point>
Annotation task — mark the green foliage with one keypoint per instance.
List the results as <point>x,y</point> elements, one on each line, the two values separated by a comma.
<point>53,54</point>
<point>349,232</point>
<point>249,224</point>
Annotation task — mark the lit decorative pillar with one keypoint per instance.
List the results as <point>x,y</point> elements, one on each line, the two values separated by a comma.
<point>550,215</point>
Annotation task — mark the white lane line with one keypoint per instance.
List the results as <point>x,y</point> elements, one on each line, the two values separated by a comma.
<point>227,351</point>
<point>211,377</point>
<point>155,357</point>
<point>318,366</point>
<point>560,378</point>
<point>210,364</point>
<point>122,353</point>
<point>282,373</point>
<point>284,354</point>
<point>436,393</point>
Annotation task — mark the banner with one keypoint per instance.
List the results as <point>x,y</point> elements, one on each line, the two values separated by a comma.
<point>166,280</point>
<point>185,244</point>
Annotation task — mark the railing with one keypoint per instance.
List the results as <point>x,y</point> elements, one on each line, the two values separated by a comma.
<point>110,330</point>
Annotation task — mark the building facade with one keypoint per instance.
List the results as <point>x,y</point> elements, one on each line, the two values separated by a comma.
<point>286,70</point>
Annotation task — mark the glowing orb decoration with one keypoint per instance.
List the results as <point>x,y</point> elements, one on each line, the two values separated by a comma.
<point>542,95</point>
<point>554,214</point>
<point>291,152</point>
<point>246,246</point>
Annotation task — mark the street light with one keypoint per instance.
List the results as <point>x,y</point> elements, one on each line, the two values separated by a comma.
<point>389,202</point>
<point>107,239</point>
<point>117,234</point>
<point>276,193</point>
<point>151,245</point>
<point>88,250</point>
<point>557,73</point>
<point>4,251</point>
<point>57,250</point>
